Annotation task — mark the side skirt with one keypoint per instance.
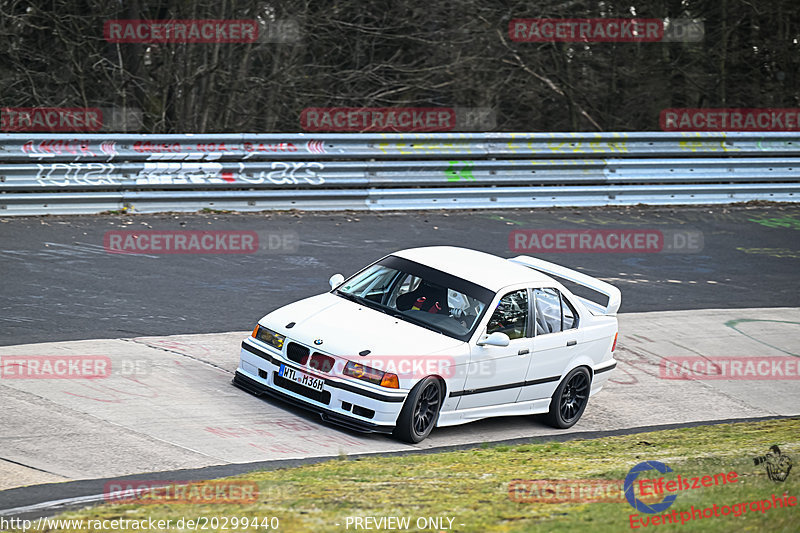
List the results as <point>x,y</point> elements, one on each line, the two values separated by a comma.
<point>463,416</point>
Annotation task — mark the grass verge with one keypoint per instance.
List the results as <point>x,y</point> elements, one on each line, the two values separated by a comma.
<point>471,487</point>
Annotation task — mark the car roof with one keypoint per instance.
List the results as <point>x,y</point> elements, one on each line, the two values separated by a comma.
<point>483,269</point>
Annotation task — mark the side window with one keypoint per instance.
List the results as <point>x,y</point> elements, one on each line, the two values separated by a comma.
<point>570,316</point>
<point>548,311</point>
<point>511,315</point>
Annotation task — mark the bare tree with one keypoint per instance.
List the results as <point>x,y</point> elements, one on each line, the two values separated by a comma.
<point>386,53</point>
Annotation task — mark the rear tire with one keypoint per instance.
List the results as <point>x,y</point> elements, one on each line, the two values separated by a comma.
<point>420,412</point>
<point>570,399</point>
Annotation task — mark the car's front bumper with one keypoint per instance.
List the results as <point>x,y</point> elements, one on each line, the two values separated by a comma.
<point>338,403</point>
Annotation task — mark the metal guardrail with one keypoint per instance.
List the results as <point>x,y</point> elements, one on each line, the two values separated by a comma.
<point>47,173</point>
<point>323,146</point>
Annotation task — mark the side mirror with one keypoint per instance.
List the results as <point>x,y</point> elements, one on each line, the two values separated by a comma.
<point>497,338</point>
<point>336,280</point>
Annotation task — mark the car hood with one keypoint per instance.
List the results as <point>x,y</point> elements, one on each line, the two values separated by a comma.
<point>347,328</point>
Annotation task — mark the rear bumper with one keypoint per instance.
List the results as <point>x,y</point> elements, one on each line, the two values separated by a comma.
<point>601,375</point>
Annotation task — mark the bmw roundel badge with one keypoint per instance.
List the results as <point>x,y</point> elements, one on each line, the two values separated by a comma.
<point>317,341</point>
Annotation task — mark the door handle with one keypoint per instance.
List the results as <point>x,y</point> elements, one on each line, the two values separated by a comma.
<point>523,352</point>
<point>572,343</point>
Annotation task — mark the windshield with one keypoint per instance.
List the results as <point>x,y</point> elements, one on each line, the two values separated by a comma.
<point>420,295</point>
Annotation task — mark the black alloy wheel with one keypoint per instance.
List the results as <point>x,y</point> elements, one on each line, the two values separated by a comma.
<point>420,412</point>
<point>570,399</point>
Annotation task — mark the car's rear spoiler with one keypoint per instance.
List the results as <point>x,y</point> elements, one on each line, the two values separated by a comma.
<point>614,296</point>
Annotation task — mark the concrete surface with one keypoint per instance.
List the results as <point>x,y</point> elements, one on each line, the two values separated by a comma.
<point>168,403</point>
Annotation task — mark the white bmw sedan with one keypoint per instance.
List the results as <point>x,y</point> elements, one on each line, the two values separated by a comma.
<point>438,336</point>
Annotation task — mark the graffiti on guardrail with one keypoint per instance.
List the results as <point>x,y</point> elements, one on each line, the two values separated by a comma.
<point>79,148</point>
<point>561,169</point>
<point>63,174</point>
<point>84,148</point>
<point>178,148</point>
<point>156,148</point>
<point>459,170</point>
<point>587,147</point>
<point>284,173</point>
<point>95,173</point>
<point>536,146</point>
<point>183,174</point>
<point>449,146</point>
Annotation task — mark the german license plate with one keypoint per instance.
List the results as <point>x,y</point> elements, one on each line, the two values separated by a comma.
<point>301,377</point>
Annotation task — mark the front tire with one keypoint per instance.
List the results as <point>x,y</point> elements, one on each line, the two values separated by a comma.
<point>570,399</point>
<point>420,412</point>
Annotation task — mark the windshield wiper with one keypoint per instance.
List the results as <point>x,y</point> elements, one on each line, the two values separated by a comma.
<point>361,300</point>
<point>350,296</point>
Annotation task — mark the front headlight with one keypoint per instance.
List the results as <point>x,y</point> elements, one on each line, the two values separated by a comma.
<point>270,337</point>
<point>367,373</point>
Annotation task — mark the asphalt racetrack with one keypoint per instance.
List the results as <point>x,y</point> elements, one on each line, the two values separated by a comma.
<point>172,324</point>
<point>59,283</point>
